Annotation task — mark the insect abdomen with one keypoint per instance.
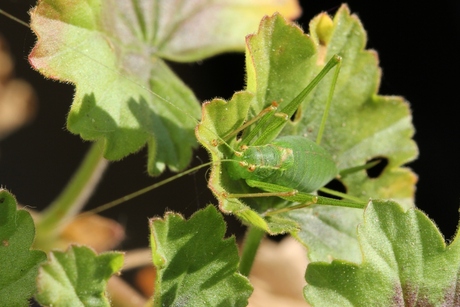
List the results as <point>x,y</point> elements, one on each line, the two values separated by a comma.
<point>291,161</point>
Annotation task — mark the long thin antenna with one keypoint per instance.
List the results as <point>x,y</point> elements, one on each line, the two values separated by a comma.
<point>125,198</point>
<point>14,18</point>
<point>128,197</point>
<point>328,102</point>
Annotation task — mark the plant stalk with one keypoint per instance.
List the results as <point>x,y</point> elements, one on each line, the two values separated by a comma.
<point>74,196</point>
<point>251,244</point>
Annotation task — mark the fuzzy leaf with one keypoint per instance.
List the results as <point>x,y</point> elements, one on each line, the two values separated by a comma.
<point>405,263</point>
<point>77,277</point>
<point>280,62</point>
<point>19,264</point>
<point>113,52</point>
<point>195,266</point>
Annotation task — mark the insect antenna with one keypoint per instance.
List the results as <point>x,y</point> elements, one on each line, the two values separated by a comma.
<point>328,103</point>
<point>149,188</point>
<point>2,12</point>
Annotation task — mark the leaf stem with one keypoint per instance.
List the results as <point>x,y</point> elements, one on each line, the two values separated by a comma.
<point>74,196</point>
<point>251,244</point>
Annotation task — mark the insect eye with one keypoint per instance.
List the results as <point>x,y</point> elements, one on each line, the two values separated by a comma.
<point>274,105</point>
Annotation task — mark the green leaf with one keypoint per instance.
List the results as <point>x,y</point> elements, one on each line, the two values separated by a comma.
<point>405,263</point>
<point>280,62</point>
<point>195,266</point>
<point>77,277</point>
<point>19,265</point>
<point>114,51</point>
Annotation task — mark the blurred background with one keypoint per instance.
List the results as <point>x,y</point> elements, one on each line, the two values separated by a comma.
<point>418,51</point>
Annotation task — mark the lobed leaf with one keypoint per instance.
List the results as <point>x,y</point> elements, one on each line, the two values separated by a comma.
<point>280,62</point>
<point>405,263</point>
<point>19,264</point>
<point>114,51</point>
<point>195,266</point>
<point>77,277</point>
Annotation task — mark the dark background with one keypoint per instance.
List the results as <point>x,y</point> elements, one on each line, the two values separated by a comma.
<point>419,54</point>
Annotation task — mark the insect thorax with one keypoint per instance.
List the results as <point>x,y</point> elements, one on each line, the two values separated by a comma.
<point>261,162</point>
<point>290,161</point>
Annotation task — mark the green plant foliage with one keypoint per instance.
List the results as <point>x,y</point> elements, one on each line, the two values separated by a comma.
<point>77,277</point>
<point>195,266</point>
<point>405,263</point>
<point>114,51</point>
<point>18,264</point>
<point>280,62</point>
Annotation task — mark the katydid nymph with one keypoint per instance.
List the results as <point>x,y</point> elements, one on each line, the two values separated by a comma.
<point>290,167</point>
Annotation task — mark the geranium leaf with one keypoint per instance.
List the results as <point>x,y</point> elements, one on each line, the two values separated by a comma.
<point>19,264</point>
<point>405,263</point>
<point>77,277</point>
<point>195,266</point>
<point>362,125</point>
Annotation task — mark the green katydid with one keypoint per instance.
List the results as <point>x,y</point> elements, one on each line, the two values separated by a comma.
<point>291,166</point>
<point>278,167</point>
<point>257,162</point>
